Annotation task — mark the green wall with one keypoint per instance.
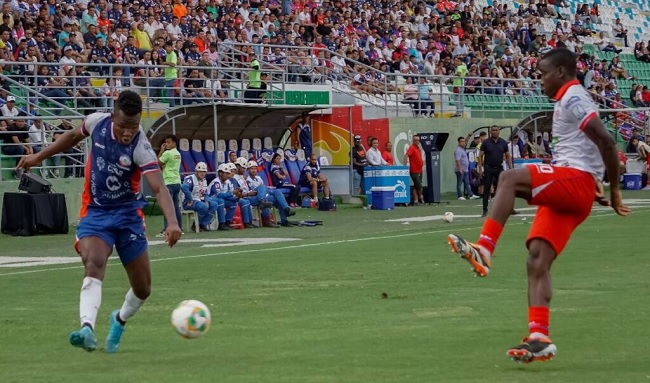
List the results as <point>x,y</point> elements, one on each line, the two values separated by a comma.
<point>403,129</point>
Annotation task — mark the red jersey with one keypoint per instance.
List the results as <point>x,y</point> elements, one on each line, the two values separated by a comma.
<point>415,159</point>
<point>388,157</point>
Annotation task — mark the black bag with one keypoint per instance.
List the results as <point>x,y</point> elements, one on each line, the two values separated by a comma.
<point>327,204</point>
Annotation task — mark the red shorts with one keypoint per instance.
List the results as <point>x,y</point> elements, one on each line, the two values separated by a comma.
<point>565,197</point>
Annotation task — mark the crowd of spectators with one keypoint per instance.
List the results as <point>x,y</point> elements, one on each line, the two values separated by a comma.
<point>373,45</point>
<point>489,49</point>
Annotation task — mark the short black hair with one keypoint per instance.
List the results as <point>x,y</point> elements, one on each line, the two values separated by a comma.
<point>169,43</point>
<point>460,138</point>
<point>129,103</point>
<point>276,155</point>
<point>173,138</point>
<point>483,133</point>
<point>562,57</point>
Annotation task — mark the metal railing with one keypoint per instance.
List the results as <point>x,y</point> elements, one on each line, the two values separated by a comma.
<point>41,131</point>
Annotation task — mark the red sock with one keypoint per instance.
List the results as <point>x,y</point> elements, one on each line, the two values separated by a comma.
<point>490,234</point>
<point>538,319</point>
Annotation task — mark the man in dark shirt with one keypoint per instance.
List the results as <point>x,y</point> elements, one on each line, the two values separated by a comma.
<point>490,163</point>
<point>15,141</point>
<point>359,162</point>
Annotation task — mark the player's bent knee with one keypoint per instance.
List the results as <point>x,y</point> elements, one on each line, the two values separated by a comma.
<point>540,257</point>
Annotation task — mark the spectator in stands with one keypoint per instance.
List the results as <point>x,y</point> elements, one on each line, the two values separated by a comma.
<point>73,157</point>
<point>620,31</point>
<point>605,45</point>
<point>281,179</point>
<point>195,188</point>
<point>616,70</point>
<point>16,140</point>
<point>9,111</point>
<point>414,159</point>
<point>37,134</point>
<point>426,103</point>
<point>194,88</point>
<point>460,72</point>
<point>312,178</point>
<point>641,53</point>
<point>169,159</point>
<point>171,73</point>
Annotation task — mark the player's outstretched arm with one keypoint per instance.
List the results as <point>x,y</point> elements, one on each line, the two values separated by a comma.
<point>173,231</point>
<point>66,141</point>
<point>596,132</point>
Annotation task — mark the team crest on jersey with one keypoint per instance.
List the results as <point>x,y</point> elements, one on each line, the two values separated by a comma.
<point>124,161</point>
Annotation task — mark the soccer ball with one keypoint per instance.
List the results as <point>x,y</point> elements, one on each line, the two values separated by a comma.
<point>191,319</point>
<point>448,217</point>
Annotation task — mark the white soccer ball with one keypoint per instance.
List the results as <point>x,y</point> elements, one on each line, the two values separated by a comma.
<point>448,217</point>
<point>191,319</point>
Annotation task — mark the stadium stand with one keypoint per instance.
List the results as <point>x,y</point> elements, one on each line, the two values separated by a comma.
<point>67,56</point>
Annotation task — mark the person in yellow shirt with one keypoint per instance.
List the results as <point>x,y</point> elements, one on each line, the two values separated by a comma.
<point>143,42</point>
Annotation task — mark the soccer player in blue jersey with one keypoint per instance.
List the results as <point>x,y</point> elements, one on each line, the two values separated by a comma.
<point>111,212</point>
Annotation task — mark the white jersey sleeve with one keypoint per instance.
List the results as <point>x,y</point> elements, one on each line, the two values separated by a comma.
<point>91,121</point>
<point>573,111</point>
<point>143,154</point>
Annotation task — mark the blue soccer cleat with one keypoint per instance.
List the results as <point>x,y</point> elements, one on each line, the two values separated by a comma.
<point>84,338</point>
<point>114,334</point>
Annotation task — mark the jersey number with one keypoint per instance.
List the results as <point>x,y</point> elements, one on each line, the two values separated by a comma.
<point>545,168</point>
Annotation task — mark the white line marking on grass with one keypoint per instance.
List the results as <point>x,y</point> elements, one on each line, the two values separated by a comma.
<point>451,228</point>
<point>213,242</point>
<point>35,261</point>
<point>115,260</point>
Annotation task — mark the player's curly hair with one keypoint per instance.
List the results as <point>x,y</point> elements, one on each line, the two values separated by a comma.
<point>562,57</point>
<point>129,103</point>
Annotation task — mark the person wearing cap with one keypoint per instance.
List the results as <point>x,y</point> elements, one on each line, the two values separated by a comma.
<point>273,196</point>
<point>359,162</point>
<point>218,193</point>
<point>230,185</point>
<point>9,110</point>
<point>195,188</point>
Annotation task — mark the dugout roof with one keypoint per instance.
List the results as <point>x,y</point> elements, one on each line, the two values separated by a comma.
<point>233,121</point>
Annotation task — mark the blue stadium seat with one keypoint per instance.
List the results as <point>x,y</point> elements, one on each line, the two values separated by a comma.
<point>188,163</point>
<point>197,152</point>
<point>210,155</point>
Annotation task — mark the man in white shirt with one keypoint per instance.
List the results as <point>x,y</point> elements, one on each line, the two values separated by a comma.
<point>8,110</point>
<point>373,155</point>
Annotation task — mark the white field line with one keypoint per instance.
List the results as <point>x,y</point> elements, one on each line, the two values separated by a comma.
<point>264,250</point>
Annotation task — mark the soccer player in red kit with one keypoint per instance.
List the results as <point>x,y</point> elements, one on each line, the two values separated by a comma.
<point>564,192</point>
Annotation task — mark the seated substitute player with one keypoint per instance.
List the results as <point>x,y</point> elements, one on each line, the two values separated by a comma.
<point>260,192</point>
<point>111,212</point>
<point>195,188</point>
<point>311,177</point>
<point>281,179</point>
<point>564,192</point>
<point>230,185</point>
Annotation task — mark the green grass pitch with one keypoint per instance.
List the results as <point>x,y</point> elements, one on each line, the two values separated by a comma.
<point>359,299</point>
